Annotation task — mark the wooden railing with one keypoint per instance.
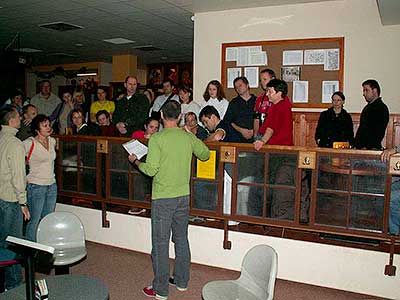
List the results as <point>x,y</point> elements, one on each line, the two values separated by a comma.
<point>334,196</point>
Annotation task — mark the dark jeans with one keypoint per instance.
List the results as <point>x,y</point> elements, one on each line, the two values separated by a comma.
<point>170,215</point>
<point>10,224</point>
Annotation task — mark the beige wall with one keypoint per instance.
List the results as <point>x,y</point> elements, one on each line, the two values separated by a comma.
<point>323,265</point>
<point>371,50</point>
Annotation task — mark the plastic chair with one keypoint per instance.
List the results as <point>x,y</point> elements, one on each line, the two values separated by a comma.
<point>256,281</point>
<point>63,231</point>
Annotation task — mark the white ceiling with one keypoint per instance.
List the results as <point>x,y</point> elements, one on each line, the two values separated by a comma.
<point>165,24</point>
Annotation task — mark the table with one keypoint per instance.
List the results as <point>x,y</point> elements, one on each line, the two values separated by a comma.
<point>65,287</point>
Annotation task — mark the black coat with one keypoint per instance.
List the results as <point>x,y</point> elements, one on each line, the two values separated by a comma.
<point>334,127</point>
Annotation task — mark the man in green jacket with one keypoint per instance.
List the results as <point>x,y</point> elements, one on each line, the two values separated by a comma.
<point>168,161</point>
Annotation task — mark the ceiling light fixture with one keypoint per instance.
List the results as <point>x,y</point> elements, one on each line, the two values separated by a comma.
<point>86,74</point>
<point>118,41</point>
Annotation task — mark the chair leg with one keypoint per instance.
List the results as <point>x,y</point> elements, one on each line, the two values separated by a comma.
<point>61,270</point>
<point>2,280</point>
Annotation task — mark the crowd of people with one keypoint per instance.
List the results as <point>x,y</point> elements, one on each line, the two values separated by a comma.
<point>182,124</point>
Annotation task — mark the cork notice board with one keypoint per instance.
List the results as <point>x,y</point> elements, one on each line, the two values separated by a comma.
<point>312,65</point>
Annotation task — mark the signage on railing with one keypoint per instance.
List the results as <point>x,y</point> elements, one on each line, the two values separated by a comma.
<point>394,165</point>
<point>102,146</point>
<point>307,160</point>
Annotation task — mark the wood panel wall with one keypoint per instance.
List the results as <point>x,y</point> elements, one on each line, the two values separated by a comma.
<point>305,124</point>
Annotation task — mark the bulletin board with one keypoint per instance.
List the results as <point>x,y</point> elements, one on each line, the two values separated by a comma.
<point>313,68</point>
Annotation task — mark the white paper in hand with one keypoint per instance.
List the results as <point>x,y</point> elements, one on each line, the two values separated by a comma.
<point>135,147</point>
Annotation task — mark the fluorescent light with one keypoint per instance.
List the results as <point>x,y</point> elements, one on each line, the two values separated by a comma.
<point>28,50</point>
<point>118,41</point>
<point>86,74</point>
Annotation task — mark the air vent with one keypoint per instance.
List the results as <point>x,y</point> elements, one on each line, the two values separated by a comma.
<point>60,26</point>
<point>147,48</point>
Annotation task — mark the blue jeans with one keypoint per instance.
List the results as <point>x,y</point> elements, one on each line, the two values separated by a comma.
<point>170,215</point>
<point>11,224</point>
<point>394,216</point>
<point>41,201</point>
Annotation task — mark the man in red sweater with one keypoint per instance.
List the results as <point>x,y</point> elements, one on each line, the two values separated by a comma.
<point>278,128</point>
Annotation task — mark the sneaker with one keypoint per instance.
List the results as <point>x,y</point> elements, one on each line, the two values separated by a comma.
<point>149,292</point>
<point>136,211</point>
<point>172,282</point>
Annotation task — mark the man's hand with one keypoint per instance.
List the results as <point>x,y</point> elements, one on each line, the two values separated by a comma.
<point>25,212</point>
<point>132,158</point>
<point>246,133</point>
<point>258,144</point>
<point>121,127</point>
<point>386,154</point>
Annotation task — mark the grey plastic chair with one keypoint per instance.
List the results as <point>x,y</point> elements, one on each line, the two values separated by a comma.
<point>63,231</point>
<point>256,281</point>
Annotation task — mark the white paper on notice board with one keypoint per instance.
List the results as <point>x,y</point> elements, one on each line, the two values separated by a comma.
<point>232,73</point>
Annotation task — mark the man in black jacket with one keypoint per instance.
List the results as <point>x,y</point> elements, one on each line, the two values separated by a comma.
<point>373,120</point>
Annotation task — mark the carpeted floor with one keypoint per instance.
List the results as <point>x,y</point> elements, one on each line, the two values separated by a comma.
<point>126,272</point>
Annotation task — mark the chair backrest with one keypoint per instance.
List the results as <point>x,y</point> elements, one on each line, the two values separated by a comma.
<point>259,268</point>
<point>61,230</point>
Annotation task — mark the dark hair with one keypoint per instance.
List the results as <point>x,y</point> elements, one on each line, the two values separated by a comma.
<point>44,81</point>
<point>78,110</point>
<point>170,81</point>
<point>35,125</point>
<point>130,76</point>
<point>6,114</point>
<point>186,89</point>
<point>242,78</point>
<point>270,72</point>
<point>340,94</point>
<point>373,85</point>
<point>26,107</point>
<point>101,112</point>
<point>149,120</point>
<point>103,88</point>
<point>279,86</point>
<point>220,90</point>
<point>16,92</point>
<point>208,111</point>
<point>171,110</point>
<point>190,113</point>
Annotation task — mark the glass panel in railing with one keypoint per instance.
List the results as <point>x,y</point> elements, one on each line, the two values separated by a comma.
<point>394,216</point>
<point>249,200</point>
<point>88,181</point>
<point>333,173</point>
<point>88,154</point>
<point>280,203</point>
<point>305,195</point>
<point>69,179</point>
<point>369,176</point>
<point>141,187</point>
<point>331,209</point>
<point>366,212</point>
<point>250,167</point>
<point>118,157</point>
<point>205,195</point>
<point>68,152</point>
<point>119,185</point>
<point>282,169</point>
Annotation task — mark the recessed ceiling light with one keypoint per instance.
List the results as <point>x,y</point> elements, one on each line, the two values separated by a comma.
<point>119,41</point>
<point>28,50</point>
<point>79,45</point>
<point>164,57</point>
